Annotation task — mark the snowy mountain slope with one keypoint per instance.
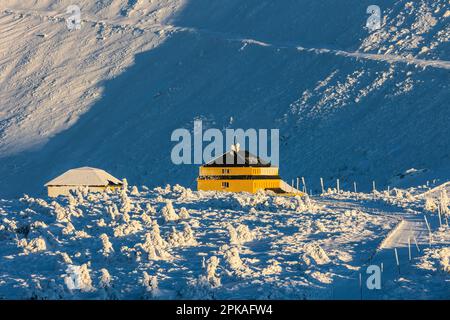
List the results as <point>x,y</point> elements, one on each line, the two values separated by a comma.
<point>341,114</point>
<point>50,76</point>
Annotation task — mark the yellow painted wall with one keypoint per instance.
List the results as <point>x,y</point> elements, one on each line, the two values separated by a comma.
<point>251,186</point>
<point>238,171</point>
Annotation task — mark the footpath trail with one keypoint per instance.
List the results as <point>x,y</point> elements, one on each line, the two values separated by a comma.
<point>398,251</point>
<point>409,238</point>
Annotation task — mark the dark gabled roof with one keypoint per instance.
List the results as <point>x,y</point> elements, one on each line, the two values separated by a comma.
<point>240,158</point>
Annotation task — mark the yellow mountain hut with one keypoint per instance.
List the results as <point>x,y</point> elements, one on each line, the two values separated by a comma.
<point>96,180</point>
<point>240,171</point>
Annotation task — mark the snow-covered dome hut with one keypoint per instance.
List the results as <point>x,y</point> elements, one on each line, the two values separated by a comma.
<point>96,180</point>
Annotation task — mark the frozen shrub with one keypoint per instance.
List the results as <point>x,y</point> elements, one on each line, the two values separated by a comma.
<point>79,196</point>
<point>149,209</point>
<point>188,235</point>
<point>101,223</point>
<point>107,291</point>
<point>164,191</point>
<point>207,284</point>
<point>131,253</point>
<point>35,245</point>
<point>60,212</point>
<point>107,249</point>
<point>311,205</point>
<point>69,229</point>
<point>398,193</point>
<point>251,200</point>
<point>126,218</point>
<point>135,191</point>
<point>313,253</point>
<point>84,191</point>
<point>239,235</point>
<point>124,184</point>
<point>175,238</point>
<point>154,251</point>
<point>409,197</point>
<point>82,234</point>
<point>105,279</point>
<point>187,194</point>
<point>430,204</point>
<point>137,208</point>
<point>75,212</point>
<point>234,262</point>
<point>146,219</point>
<point>125,203</point>
<point>184,213</point>
<point>178,189</point>
<point>168,212</point>
<point>154,245</point>
<point>319,227</point>
<point>65,257</point>
<point>72,201</point>
<point>78,278</point>
<point>436,259</point>
<point>273,268</point>
<point>444,202</point>
<point>284,202</point>
<point>158,190</point>
<point>209,278</point>
<point>150,284</point>
<point>113,212</point>
<point>156,235</point>
<point>125,229</point>
<point>182,238</point>
<point>10,225</point>
<point>46,289</point>
<point>444,255</point>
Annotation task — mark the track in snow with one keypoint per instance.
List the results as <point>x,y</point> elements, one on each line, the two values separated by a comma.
<point>441,64</point>
<point>409,237</point>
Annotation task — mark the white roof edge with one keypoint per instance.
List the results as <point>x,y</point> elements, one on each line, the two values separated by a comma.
<point>84,176</point>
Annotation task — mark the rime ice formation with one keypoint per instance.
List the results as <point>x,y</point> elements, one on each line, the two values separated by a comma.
<point>252,246</point>
<point>168,212</point>
<point>107,249</point>
<point>78,278</point>
<point>239,235</point>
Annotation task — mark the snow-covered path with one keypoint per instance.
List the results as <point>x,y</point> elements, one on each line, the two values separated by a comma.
<point>410,229</point>
<point>397,256</point>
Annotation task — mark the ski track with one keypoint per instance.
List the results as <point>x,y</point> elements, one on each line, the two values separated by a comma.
<point>408,238</point>
<point>410,229</point>
<point>391,59</point>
